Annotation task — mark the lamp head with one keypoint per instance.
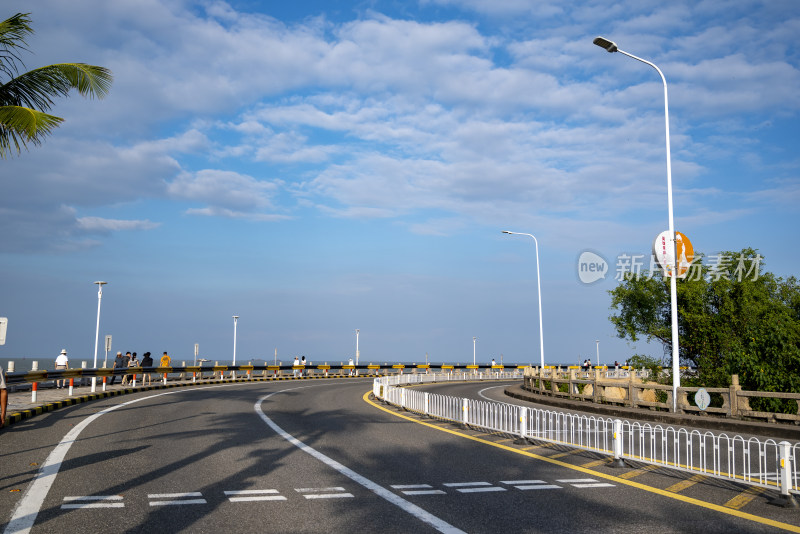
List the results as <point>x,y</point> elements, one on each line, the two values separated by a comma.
<point>602,42</point>
<point>100,283</point>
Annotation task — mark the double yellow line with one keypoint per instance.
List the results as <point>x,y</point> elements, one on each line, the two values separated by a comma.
<point>616,479</point>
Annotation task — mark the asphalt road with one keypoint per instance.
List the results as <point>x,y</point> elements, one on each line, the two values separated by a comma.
<point>314,456</point>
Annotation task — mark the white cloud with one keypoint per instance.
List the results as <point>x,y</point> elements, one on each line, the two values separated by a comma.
<point>101,225</point>
<point>227,192</point>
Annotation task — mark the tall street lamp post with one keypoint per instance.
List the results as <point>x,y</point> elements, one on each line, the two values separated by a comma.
<point>611,47</point>
<point>357,353</point>
<point>598,350</point>
<point>235,320</point>
<point>473,349</point>
<point>539,289</point>
<point>97,330</point>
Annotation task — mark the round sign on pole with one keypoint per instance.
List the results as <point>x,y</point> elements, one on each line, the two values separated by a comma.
<point>702,398</point>
<point>664,253</point>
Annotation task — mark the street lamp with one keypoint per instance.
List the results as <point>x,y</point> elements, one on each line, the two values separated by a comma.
<point>357,353</point>
<point>598,350</point>
<point>473,349</point>
<point>539,287</point>
<point>235,320</point>
<point>97,331</point>
<point>610,46</point>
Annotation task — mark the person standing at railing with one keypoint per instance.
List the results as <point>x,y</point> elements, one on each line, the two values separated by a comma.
<point>147,361</point>
<point>3,397</point>
<point>166,361</point>
<point>133,362</point>
<point>118,361</point>
<point>126,362</point>
<point>62,362</point>
<point>295,365</point>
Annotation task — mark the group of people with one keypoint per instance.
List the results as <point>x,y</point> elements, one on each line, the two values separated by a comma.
<point>298,362</point>
<point>131,360</point>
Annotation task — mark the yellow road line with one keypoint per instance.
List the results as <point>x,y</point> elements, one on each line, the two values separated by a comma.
<point>636,472</point>
<point>562,454</point>
<point>598,474</point>
<point>688,483</point>
<point>738,502</point>
<point>596,463</point>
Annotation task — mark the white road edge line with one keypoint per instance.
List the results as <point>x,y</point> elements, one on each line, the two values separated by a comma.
<point>480,393</point>
<point>409,507</point>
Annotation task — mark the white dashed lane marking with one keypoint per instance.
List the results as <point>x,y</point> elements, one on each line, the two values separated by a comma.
<point>418,489</point>
<point>323,493</point>
<point>176,499</point>
<point>480,487</point>
<point>473,487</point>
<point>95,501</point>
<point>585,483</point>
<point>254,495</point>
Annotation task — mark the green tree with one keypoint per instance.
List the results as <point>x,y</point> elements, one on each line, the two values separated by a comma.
<point>733,318</point>
<point>25,98</point>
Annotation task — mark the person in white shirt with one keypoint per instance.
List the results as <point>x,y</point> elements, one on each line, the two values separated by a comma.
<point>62,362</point>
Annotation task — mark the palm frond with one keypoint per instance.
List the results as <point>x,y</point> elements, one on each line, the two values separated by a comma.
<point>20,126</point>
<point>38,88</point>
<point>13,32</point>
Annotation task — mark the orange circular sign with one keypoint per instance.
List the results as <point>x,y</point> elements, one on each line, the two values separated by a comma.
<point>664,253</point>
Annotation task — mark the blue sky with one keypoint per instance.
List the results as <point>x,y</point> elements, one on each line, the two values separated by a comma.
<point>317,167</point>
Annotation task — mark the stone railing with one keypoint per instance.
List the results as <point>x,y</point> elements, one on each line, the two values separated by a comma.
<point>629,387</point>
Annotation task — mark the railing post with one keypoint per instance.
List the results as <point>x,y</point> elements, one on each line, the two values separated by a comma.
<point>733,401</point>
<point>465,412</point>
<point>617,444</point>
<point>523,426</point>
<point>34,385</point>
<point>785,472</point>
<point>426,405</point>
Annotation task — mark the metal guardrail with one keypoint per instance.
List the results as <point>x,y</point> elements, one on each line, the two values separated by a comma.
<point>768,463</point>
<point>249,370</point>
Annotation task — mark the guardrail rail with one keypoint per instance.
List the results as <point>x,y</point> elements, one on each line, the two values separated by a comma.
<point>751,461</point>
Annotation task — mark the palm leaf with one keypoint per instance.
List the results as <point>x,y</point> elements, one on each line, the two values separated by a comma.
<point>13,32</point>
<point>20,126</point>
<point>38,88</point>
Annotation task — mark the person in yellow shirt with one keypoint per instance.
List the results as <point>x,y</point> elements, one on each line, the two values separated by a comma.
<point>165,362</point>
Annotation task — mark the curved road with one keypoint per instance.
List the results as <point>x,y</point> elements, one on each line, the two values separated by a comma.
<point>317,456</point>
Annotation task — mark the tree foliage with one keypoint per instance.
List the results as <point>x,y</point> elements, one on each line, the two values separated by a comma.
<point>733,318</point>
<point>25,98</point>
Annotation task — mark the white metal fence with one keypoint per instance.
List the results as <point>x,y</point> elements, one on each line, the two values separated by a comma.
<point>765,463</point>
